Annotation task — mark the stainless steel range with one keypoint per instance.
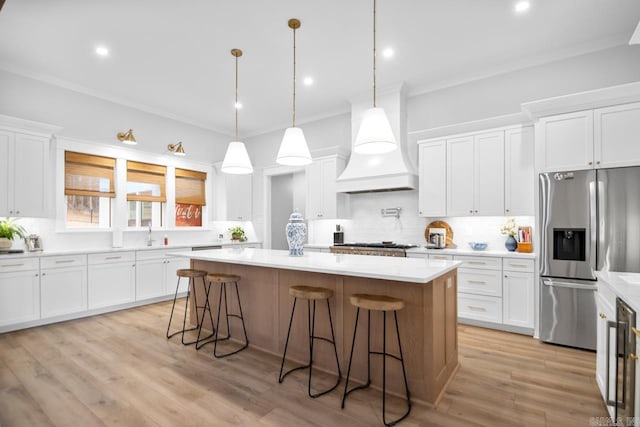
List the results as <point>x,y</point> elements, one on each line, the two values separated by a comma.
<point>379,249</point>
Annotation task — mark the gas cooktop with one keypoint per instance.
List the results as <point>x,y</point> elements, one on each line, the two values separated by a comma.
<point>376,245</point>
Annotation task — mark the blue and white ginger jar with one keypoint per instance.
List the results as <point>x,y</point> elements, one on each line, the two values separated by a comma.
<point>296,234</point>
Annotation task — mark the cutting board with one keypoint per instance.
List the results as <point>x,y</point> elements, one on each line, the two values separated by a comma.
<point>441,224</point>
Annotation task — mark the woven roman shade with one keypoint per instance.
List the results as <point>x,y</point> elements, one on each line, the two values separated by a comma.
<point>190,187</point>
<point>88,175</point>
<point>146,182</point>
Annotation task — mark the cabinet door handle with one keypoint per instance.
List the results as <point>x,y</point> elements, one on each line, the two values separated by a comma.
<point>604,316</point>
<point>12,265</point>
<point>478,282</point>
<point>610,325</point>
<point>64,261</point>
<point>635,330</point>
<point>470,211</point>
<point>44,274</point>
<point>633,356</point>
<point>439,257</point>
<point>113,257</point>
<point>477,262</point>
<point>518,265</point>
<point>476,308</point>
<point>476,211</point>
<point>506,210</point>
<point>598,162</point>
<point>590,163</point>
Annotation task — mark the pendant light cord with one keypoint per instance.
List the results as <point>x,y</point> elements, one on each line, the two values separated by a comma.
<point>236,104</point>
<point>374,53</point>
<point>294,77</point>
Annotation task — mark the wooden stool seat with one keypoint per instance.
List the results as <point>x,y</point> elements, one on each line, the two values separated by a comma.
<point>187,272</point>
<point>377,302</point>
<point>310,292</point>
<point>222,278</point>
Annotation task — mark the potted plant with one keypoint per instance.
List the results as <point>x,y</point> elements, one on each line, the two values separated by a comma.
<point>8,231</point>
<point>237,233</point>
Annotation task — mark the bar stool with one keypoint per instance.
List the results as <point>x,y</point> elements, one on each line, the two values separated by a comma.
<point>191,275</point>
<point>378,303</point>
<point>311,294</point>
<point>223,279</point>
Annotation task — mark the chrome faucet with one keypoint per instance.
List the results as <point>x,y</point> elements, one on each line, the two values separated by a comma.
<point>149,241</point>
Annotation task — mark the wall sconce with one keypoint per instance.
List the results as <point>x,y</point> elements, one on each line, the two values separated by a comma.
<point>177,149</point>
<point>127,137</point>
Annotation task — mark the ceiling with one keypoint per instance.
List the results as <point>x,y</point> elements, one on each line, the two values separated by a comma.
<point>173,58</point>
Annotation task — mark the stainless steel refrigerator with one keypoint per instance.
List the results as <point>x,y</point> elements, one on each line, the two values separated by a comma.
<point>589,220</point>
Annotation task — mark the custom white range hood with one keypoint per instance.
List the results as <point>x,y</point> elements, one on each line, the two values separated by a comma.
<point>380,172</point>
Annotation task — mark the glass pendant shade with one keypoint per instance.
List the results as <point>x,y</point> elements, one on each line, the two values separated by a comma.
<point>293,149</point>
<point>236,160</point>
<point>375,135</point>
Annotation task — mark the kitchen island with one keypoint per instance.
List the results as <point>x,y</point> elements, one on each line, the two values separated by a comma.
<point>428,323</point>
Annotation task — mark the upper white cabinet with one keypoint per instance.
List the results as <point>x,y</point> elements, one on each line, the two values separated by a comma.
<point>432,192</point>
<point>615,138</point>
<point>23,174</point>
<point>519,175</point>
<point>323,202</point>
<point>475,175</point>
<point>236,198</point>
<point>599,138</point>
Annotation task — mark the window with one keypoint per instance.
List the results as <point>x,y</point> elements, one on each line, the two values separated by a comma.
<point>190,197</point>
<point>145,194</point>
<point>88,189</point>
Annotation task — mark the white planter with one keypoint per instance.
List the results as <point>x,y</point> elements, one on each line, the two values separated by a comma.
<point>5,243</point>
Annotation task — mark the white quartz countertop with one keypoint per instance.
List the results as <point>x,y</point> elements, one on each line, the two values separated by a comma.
<point>80,251</point>
<point>624,285</point>
<point>375,267</point>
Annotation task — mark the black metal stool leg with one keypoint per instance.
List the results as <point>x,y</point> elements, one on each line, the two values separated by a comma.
<point>286,343</point>
<point>206,308</point>
<point>223,289</point>
<point>353,343</point>
<point>175,296</point>
<point>404,374</point>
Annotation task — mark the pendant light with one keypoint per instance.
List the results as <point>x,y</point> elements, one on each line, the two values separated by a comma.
<point>293,149</point>
<point>375,135</point>
<point>236,160</point>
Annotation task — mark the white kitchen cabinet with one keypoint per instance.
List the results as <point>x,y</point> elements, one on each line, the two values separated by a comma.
<point>322,200</point>
<point>566,141</point>
<point>616,131</point>
<point>24,173</point>
<point>480,282</point>
<point>63,285</point>
<point>432,184</point>
<point>156,273</point>
<point>517,299</point>
<point>111,279</point>
<point>519,174</point>
<point>19,290</point>
<point>235,200</point>
<point>480,288</point>
<point>475,175</point>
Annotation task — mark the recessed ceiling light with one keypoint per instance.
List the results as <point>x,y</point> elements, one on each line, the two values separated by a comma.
<point>308,81</point>
<point>102,51</point>
<point>388,52</point>
<point>238,105</point>
<point>522,6</point>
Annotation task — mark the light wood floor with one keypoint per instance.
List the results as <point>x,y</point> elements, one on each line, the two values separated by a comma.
<point>118,369</point>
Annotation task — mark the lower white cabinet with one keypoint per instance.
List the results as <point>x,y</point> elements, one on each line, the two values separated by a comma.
<point>479,307</point>
<point>605,345</point>
<point>111,279</point>
<point>156,273</point>
<point>518,292</point>
<point>19,290</point>
<point>63,285</point>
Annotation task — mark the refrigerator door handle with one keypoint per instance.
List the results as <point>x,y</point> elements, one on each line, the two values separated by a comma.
<point>561,284</point>
<point>610,325</point>
<point>593,221</point>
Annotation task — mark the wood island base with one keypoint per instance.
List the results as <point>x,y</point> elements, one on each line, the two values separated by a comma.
<point>428,324</point>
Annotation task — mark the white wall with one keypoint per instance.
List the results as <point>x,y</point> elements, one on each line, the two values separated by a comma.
<point>88,118</point>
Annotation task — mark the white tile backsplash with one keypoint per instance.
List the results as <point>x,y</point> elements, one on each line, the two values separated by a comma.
<point>367,224</point>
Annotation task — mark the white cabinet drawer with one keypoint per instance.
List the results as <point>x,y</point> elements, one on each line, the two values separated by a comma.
<point>63,261</point>
<point>482,282</point>
<point>480,307</point>
<point>158,253</point>
<point>441,257</point>
<point>112,258</point>
<point>19,264</point>
<point>486,263</point>
<point>515,264</point>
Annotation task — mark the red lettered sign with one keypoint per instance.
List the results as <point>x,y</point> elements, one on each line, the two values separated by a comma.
<point>188,215</point>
